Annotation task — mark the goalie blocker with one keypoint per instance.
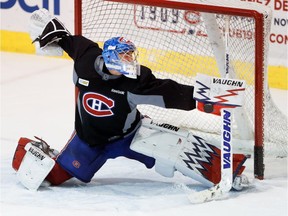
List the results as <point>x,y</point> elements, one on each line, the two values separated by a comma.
<point>213,94</point>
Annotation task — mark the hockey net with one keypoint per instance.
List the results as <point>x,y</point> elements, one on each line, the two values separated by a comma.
<point>177,40</point>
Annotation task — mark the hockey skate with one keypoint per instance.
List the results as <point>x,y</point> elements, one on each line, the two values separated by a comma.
<point>41,144</point>
<point>240,182</point>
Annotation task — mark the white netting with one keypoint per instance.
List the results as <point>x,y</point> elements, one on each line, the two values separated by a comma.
<point>174,44</point>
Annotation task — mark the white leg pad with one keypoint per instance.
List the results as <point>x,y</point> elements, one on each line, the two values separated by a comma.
<point>173,149</point>
<point>34,168</point>
<point>163,148</point>
<point>164,167</point>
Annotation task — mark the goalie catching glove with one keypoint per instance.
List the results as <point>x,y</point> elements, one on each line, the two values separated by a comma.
<point>46,31</point>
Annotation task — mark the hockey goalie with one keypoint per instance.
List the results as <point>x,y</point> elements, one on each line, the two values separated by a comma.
<point>110,83</point>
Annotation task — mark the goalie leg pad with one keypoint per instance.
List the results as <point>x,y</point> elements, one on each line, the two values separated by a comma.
<point>164,167</point>
<point>19,152</point>
<point>172,152</point>
<point>34,167</point>
<point>181,150</point>
<point>57,174</point>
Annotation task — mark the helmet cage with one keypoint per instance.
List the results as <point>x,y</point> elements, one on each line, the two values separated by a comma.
<point>121,55</point>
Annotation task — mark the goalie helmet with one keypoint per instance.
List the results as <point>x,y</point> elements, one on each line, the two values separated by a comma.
<point>121,55</point>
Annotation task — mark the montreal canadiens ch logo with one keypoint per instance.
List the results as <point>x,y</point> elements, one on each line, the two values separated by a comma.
<point>97,105</point>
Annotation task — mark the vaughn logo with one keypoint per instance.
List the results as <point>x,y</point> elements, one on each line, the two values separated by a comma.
<point>36,153</point>
<point>228,82</point>
<point>227,139</point>
<point>166,126</point>
<point>97,105</point>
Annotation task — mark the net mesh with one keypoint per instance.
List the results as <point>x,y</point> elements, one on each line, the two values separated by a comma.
<point>175,44</point>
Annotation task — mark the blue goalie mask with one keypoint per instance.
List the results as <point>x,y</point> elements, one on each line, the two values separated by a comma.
<point>121,55</point>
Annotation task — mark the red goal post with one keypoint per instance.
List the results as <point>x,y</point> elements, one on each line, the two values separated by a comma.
<point>254,47</point>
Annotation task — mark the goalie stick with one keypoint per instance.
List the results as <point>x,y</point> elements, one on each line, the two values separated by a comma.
<point>225,184</point>
<point>226,181</point>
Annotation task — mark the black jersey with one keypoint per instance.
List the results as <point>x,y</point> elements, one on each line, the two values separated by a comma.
<point>106,107</point>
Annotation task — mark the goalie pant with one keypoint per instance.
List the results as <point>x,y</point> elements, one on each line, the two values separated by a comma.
<point>204,169</point>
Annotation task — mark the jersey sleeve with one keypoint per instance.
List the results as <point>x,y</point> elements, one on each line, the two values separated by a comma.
<point>84,53</point>
<point>77,46</point>
<point>165,93</point>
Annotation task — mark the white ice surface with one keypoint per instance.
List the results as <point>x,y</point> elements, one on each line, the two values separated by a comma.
<point>37,98</point>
